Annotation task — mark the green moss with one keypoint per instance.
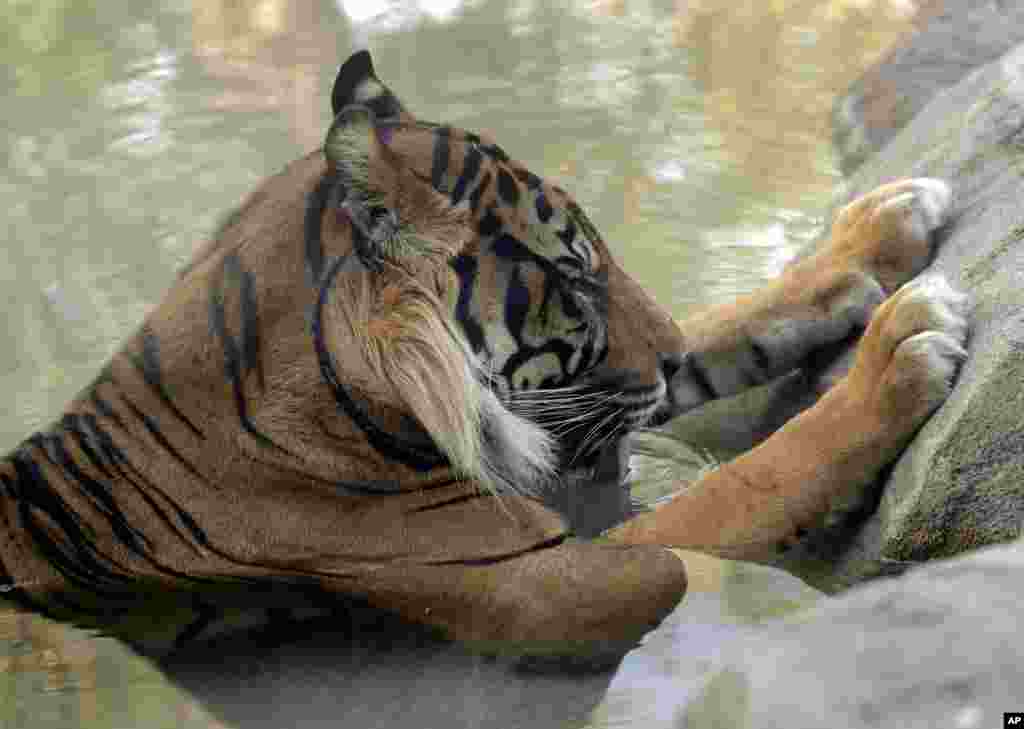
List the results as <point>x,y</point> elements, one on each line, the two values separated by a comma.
<point>724,704</point>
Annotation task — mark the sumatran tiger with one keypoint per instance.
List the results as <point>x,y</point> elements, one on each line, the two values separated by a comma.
<point>370,380</point>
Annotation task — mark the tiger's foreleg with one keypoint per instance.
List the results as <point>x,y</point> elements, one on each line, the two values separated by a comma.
<point>569,599</point>
<point>584,596</point>
<point>750,507</point>
<point>877,243</point>
<point>576,595</point>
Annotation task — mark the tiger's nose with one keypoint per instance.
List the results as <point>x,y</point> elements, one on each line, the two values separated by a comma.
<point>670,366</point>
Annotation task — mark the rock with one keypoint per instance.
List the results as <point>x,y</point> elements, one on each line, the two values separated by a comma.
<point>953,38</point>
<point>938,647</point>
<point>724,606</point>
<point>960,484</point>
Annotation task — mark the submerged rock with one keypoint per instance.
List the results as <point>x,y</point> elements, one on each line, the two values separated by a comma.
<point>937,648</point>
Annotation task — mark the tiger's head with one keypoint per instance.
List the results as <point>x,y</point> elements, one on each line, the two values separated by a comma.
<point>435,311</point>
<point>558,352</point>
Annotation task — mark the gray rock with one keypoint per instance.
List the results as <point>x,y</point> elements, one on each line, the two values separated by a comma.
<point>954,37</point>
<point>960,484</point>
<point>939,647</point>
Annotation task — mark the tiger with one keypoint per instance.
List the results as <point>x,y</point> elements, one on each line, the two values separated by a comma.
<point>372,379</point>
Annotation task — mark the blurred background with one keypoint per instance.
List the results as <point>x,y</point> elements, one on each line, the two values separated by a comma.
<point>695,133</point>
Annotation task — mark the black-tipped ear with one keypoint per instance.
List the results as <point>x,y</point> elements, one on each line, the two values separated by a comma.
<point>353,72</point>
<point>358,84</point>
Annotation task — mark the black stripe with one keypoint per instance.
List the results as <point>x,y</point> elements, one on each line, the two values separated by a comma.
<point>439,166</point>
<point>510,248</point>
<point>507,187</point>
<point>561,349</point>
<point>490,224</point>
<point>459,499</point>
<point>495,152</point>
<point>762,357</point>
<point>385,107</point>
<point>529,179</point>
<point>470,169</point>
<point>106,376</point>
<point>74,552</point>
<point>544,209</point>
<point>411,454</point>
<point>77,555</point>
<point>465,268</point>
<point>116,456</point>
<point>568,235</point>
<point>251,345</point>
<point>148,365</point>
<point>316,203</point>
<point>699,376</point>
<point>6,579</point>
<point>150,425</point>
<point>547,544</point>
<point>131,474</point>
<point>235,362</point>
<point>517,304</point>
<point>474,198</point>
<point>585,358</point>
<point>97,492</point>
<point>349,488</point>
<point>100,494</point>
<point>361,244</point>
<point>110,455</point>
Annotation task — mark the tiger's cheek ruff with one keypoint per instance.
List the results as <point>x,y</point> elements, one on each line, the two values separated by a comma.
<point>411,454</point>
<point>437,379</point>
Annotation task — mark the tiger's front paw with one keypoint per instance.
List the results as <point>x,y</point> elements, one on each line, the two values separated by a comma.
<point>889,232</point>
<point>908,358</point>
<point>905,367</point>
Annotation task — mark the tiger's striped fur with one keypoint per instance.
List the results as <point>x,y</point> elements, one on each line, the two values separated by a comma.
<point>366,384</point>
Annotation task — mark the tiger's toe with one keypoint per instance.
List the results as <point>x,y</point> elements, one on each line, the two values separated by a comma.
<point>925,328</point>
<point>890,232</point>
<point>923,203</point>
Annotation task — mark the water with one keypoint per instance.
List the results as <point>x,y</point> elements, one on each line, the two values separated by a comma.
<point>695,133</point>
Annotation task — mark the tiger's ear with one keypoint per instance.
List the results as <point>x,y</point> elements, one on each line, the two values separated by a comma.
<point>355,145</point>
<point>358,84</point>
<point>353,140</point>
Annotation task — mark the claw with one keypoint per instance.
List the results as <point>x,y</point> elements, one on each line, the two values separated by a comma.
<point>929,196</point>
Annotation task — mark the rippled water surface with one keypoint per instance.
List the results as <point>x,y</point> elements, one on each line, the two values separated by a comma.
<point>695,132</point>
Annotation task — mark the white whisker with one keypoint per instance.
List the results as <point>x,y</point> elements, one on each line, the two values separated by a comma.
<point>589,437</point>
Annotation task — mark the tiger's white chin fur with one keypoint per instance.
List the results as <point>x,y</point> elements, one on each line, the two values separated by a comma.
<point>506,452</point>
<point>516,455</point>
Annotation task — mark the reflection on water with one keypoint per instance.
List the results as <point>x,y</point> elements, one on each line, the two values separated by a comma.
<point>55,677</point>
<point>695,132</point>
